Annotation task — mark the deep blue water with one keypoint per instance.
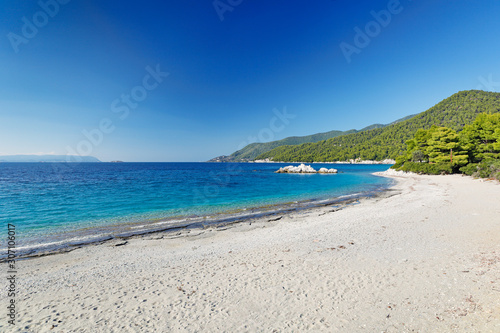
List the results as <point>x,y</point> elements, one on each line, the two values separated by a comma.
<point>52,204</point>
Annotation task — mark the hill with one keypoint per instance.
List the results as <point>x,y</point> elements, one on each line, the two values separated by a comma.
<point>251,151</point>
<point>388,142</point>
<point>47,158</point>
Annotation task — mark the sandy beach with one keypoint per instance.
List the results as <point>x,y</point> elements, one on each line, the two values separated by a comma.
<point>424,258</point>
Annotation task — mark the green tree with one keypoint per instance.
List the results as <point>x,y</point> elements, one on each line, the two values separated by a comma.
<point>417,148</point>
<point>444,146</point>
<point>418,156</point>
<point>482,137</point>
<point>435,145</point>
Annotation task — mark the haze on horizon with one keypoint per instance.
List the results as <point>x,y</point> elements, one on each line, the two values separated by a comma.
<point>191,80</point>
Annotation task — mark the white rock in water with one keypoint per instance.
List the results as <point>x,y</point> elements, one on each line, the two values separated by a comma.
<point>304,169</point>
<point>325,170</point>
<point>298,169</point>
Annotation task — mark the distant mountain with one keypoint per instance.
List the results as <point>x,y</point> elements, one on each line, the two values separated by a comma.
<point>388,142</point>
<point>251,151</point>
<point>47,158</point>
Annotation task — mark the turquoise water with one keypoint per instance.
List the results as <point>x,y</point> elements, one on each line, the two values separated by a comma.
<point>57,204</point>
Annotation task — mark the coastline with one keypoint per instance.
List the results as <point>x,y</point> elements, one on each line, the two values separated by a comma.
<point>426,259</point>
<point>209,194</point>
<point>187,226</point>
<point>352,161</point>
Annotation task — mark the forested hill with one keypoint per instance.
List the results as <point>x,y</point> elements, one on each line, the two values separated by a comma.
<point>251,151</point>
<point>388,142</point>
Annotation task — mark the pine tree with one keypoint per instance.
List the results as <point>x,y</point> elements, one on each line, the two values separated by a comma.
<point>444,146</point>
<point>482,137</point>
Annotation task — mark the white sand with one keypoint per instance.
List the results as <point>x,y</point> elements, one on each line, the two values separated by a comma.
<point>425,260</point>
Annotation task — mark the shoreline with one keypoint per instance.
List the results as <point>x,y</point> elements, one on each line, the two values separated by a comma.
<point>426,259</point>
<point>361,162</point>
<point>187,225</point>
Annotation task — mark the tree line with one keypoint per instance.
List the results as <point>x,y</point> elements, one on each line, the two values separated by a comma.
<point>473,151</point>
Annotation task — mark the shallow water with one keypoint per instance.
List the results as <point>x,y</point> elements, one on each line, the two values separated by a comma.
<point>53,205</point>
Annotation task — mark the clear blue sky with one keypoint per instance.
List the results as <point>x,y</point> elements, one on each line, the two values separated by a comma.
<point>225,77</point>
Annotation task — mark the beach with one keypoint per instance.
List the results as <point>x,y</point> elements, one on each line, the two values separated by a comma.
<point>424,257</point>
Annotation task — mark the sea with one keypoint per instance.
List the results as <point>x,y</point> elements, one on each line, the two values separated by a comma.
<point>55,206</point>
